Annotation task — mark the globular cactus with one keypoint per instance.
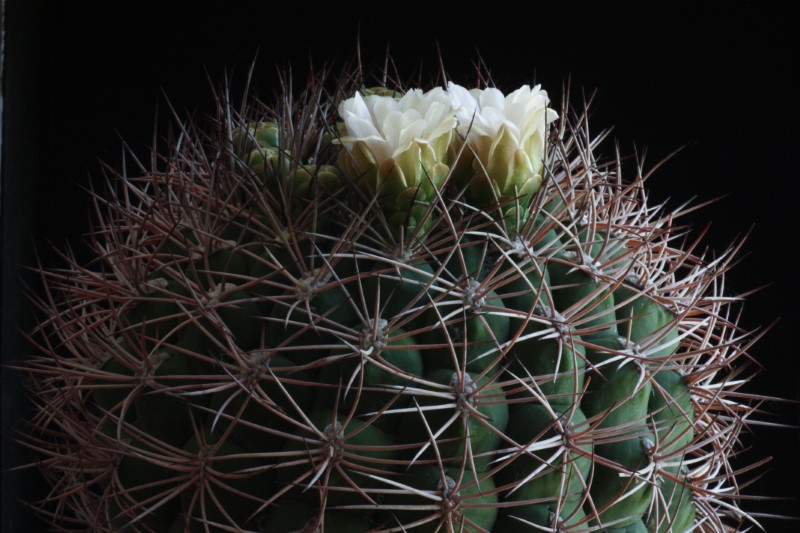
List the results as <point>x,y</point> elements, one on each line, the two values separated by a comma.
<point>388,310</point>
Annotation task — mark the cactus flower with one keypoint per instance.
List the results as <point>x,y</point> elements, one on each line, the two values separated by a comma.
<point>506,135</point>
<point>397,147</point>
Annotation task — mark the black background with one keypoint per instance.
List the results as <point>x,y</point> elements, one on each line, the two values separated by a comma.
<point>716,79</point>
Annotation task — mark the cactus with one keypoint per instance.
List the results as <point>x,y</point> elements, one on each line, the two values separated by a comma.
<point>290,326</point>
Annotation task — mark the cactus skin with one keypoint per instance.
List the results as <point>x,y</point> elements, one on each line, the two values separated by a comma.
<point>260,349</point>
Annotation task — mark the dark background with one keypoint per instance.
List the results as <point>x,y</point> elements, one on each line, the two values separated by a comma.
<point>82,77</point>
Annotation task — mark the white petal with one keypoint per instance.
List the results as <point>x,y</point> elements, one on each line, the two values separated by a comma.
<point>358,127</point>
<point>409,133</point>
<point>490,120</point>
<point>382,107</point>
<point>388,125</point>
<point>358,107</point>
<point>460,97</point>
<point>523,113</point>
<point>380,148</point>
<point>492,97</point>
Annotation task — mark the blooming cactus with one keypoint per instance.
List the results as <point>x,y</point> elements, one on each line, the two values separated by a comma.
<point>449,318</point>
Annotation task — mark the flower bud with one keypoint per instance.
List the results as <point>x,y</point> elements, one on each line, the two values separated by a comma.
<point>259,146</point>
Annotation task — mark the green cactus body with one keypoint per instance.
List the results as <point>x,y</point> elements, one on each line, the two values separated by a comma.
<point>467,417</point>
<point>375,380</point>
<point>672,411</point>
<point>541,515</point>
<point>575,287</point>
<point>675,508</point>
<point>472,343</point>
<point>301,516</point>
<point>319,334</point>
<point>558,363</point>
<point>646,322</point>
<point>338,457</point>
<point>456,500</point>
<point>546,466</point>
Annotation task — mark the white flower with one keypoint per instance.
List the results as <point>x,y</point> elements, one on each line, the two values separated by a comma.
<point>402,148</point>
<point>507,135</point>
<point>482,113</point>
<point>389,126</point>
<point>397,147</point>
